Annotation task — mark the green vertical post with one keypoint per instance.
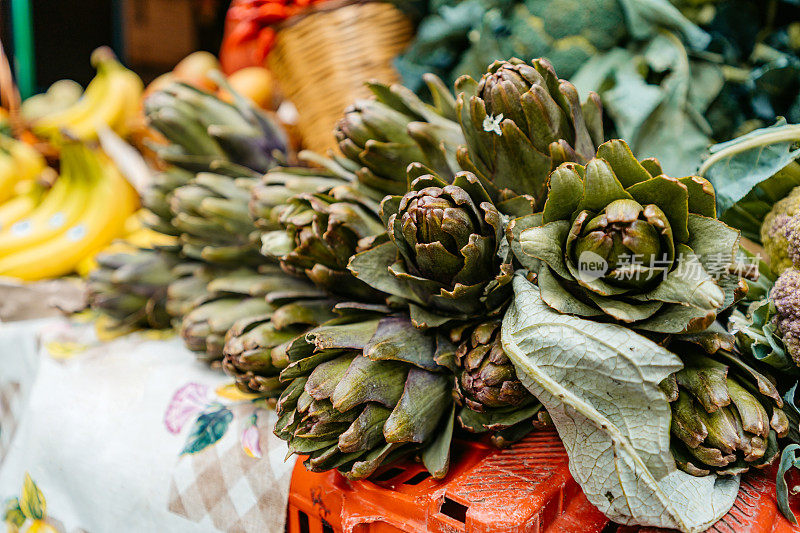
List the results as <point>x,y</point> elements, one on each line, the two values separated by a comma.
<point>22,31</point>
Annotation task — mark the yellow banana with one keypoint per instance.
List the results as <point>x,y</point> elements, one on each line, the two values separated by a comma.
<point>54,215</point>
<point>125,89</point>
<point>30,162</point>
<point>111,202</point>
<point>110,99</point>
<point>8,176</point>
<point>21,205</point>
<point>50,126</point>
<point>18,162</point>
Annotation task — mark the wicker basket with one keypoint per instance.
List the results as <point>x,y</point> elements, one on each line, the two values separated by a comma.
<point>323,58</point>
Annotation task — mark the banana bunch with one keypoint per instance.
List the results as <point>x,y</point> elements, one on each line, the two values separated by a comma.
<point>111,100</point>
<point>20,164</point>
<point>84,210</point>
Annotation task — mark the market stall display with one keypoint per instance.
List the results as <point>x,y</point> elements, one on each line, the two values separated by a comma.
<point>497,263</point>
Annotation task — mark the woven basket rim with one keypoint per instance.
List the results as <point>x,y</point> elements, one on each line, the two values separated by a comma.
<point>325,7</point>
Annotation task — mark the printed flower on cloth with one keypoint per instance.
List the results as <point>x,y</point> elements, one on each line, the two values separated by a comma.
<point>91,430</point>
<point>28,511</point>
<point>236,478</point>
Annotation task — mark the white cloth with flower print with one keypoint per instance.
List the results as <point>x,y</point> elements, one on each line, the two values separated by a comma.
<point>127,435</point>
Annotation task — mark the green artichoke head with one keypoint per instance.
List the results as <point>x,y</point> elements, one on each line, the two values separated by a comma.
<point>385,134</point>
<point>130,288</point>
<point>490,395</point>
<point>726,416</point>
<point>619,239</point>
<point>320,232</point>
<point>520,122</point>
<point>355,402</point>
<point>447,254</point>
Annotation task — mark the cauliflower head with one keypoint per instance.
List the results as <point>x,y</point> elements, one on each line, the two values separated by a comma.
<point>777,229</point>
<point>786,297</point>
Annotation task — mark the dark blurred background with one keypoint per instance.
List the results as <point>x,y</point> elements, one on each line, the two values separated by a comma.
<point>149,36</point>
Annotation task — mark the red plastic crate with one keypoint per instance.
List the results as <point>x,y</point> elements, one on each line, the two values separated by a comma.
<point>524,488</point>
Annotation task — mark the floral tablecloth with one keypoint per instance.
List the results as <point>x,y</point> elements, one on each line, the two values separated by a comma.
<point>130,435</point>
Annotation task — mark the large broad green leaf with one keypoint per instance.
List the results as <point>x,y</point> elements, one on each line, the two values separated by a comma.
<point>646,17</point>
<point>599,383</point>
<point>789,460</point>
<point>737,167</point>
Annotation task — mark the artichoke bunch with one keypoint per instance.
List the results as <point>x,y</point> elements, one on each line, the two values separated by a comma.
<point>447,256</point>
<point>320,232</point>
<point>726,416</point>
<point>487,389</point>
<point>380,137</point>
<point>208,134</point>
<point>355,402</point>
<point>130,288</point>
<point>212,217</point>
<point>520,122</point>
<point>255,348</point>
<point>207,316</point>
<point>619,240</point>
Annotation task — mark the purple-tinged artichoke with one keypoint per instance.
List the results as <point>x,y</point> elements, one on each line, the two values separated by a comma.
<point>447,256</point>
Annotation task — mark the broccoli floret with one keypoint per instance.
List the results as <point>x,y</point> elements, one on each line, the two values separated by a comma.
<point>786,297</point>
<point>774,231</point>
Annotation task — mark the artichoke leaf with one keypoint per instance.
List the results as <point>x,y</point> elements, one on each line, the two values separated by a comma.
<point>547,243</point>
<point>600,385</point>
<point>559,298</point>
<point>372,267</point>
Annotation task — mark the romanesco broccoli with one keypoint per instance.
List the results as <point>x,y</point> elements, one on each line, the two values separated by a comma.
<point>774,230</point>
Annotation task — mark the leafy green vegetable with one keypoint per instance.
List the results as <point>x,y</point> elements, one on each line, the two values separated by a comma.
<point>619,455</point>
<point>752,172</point>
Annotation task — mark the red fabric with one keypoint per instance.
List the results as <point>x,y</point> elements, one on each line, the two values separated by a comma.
<point>250,30</point>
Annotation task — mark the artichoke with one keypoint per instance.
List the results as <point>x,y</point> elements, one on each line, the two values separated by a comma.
<point>446,256</point>
<point>491,396</point>
<point>355,402</point>
<point>189,288</point>
<point>520,122</point>
<point>321,232</point>
<point>211,213</point>
<point>237,295</point>
<point>270,197</point>
<point>255,347</point>
<point>384,135</point>
<point>156,199</point>
<point>619,239</point>
<point>131,287</point>
<point>726,416</point>
<point>206,133</point>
